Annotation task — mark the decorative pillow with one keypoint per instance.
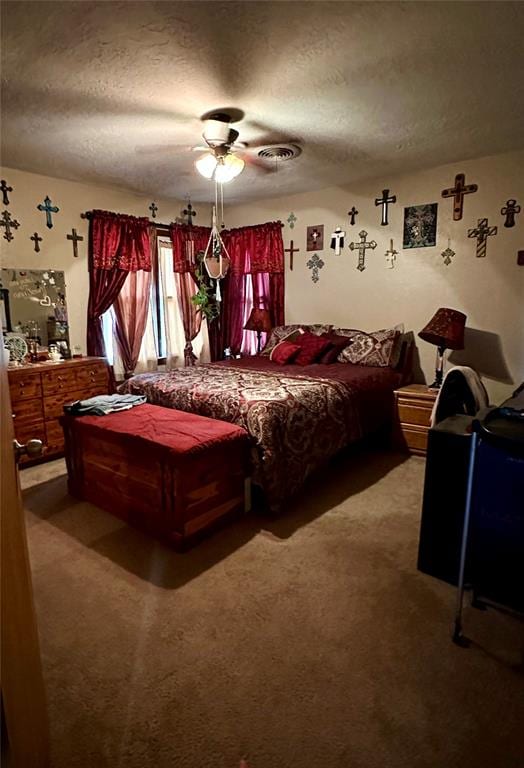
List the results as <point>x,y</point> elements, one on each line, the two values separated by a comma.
<point>284,352</point>
<point>281,332</point>
<point>337,344</point>
<point>311,348</point>
<point>370,348</point>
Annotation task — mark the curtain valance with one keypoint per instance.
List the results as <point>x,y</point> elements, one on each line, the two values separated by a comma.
<point>120,242</point>
<point>258,248</point>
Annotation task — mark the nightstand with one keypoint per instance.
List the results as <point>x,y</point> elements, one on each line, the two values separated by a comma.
<point>413,406</point>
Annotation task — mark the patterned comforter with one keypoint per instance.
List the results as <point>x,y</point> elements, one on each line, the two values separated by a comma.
<point>297,416</point>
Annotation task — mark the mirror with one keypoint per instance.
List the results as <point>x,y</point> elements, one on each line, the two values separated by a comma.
<point>33,305</point>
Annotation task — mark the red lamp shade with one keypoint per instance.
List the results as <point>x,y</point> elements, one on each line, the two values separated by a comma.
<point>445,329</point>
<point>259,320</point>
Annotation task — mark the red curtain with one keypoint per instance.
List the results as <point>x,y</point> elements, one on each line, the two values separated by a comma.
<point>118,244</point>
<point>131,309</point>
<point>259,248</point>
<point>191,317</point>
<point>181,235</point>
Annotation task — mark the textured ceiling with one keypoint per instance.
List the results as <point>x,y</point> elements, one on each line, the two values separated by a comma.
<point>112,92</point>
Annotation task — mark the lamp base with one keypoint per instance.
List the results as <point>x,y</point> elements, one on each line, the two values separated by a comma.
<point>439,370</point>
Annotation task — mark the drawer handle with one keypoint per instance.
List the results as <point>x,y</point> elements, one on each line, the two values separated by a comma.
<point>22,384</point>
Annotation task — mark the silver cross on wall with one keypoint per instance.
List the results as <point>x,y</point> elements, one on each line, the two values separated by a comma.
<point>384,201</point>
<point>291,220</point>
<point>314,264</point>
<point>362,246</point>
<point>509,211</point>
<point>481,232</point>
<point>391,255</point>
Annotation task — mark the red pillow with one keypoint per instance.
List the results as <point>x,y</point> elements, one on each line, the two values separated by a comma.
<point>284,352</point>
<point>311,348</point>
<point>337,344</point>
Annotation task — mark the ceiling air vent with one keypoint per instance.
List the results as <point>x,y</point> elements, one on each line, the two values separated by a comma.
<point>282,152</point>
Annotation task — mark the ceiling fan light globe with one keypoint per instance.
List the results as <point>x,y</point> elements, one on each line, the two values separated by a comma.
<point>228,168</point>
<point>206,165</point>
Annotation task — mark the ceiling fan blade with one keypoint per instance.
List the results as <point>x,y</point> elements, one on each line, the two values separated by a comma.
<point>158,149</point>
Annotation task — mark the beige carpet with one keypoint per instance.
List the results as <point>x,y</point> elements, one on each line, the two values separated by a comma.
<point>307,642</point>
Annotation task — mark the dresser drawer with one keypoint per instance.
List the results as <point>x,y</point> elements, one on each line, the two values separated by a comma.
<point>54,404</point>
<point>412,413</point>
<point>24,387</point>
<point>54,436</point>
<point>27,411</point>
<point>93,375</point>
<point>416,440</point>
<point>54,382</point>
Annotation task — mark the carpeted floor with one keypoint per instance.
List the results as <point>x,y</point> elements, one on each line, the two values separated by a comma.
<point>307,642</point>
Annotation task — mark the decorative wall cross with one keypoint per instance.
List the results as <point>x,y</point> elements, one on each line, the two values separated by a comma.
<point>391,255</point>
<point>49,209</point>
<point>153,208</point>
<point>291,220</point>
<point>5,189</point>
<point>352,213</point>
<point>75,238</point>
<point>520,258</point>
<point>482,232</point>
<point>337,240</point>
<point>314,264</point>
<point>37,240</point>
<point>384,201</point>
<point>8,223</point>
<point>448,254</point>
<point>362,247</point>
<point>509,212</point>
<point>189,212</point>
<point>291,250</point>
<point>457,193</point>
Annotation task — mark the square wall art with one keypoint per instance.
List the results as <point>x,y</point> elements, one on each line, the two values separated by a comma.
<point>420,226</point>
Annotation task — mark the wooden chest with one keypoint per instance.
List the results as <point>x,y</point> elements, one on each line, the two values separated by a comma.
<point>40,391</point>
<point>170,473</point>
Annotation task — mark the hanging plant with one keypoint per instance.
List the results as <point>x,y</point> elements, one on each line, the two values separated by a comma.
<point>204,298</point>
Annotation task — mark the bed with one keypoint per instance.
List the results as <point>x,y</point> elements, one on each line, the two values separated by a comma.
<point>297,416</point>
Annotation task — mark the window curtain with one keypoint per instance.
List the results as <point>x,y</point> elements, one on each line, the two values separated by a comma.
<point>131,309</point>
<point>256,278</point>
<point>118,245</point>
<point>187,242</point>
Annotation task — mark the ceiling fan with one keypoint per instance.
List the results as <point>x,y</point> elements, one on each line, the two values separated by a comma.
<point>225,156</point>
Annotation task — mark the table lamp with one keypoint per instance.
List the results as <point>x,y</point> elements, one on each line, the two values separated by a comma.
<point>446,331</point>
<point>260,321</point>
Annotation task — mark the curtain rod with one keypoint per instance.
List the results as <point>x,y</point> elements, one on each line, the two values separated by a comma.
<point>89,215</point>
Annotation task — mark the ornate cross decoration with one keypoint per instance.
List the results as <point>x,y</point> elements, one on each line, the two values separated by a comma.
<point>362,246</point>
<point>37,240</point>
<point>314,264</point>
<point>457,192</point>
<point>352,213</point>
<point>291,250</point>
<point>189,212</point>
<point>153,208</point>
<point>49,209</point>
<point>482,232</point>
<point>448,254</point>
<point>509,212</point>
<point>391,255</point>
<point>384,201</point>
<point>5,189</point>
<point>75,238</point>
<point>8,223</point>
<point>291,220</point>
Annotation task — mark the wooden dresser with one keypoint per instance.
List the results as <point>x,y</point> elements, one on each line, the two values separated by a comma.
<point>413,406</point>
<point>40,390</point>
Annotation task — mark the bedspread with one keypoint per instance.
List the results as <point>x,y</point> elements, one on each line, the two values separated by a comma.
<point>297,417</point>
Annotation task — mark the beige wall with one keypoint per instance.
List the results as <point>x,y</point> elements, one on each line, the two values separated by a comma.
<point>490,290</point>
<point>56,252</point>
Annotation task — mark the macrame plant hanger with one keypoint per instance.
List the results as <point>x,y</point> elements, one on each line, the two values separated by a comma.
<point>215,246</point>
